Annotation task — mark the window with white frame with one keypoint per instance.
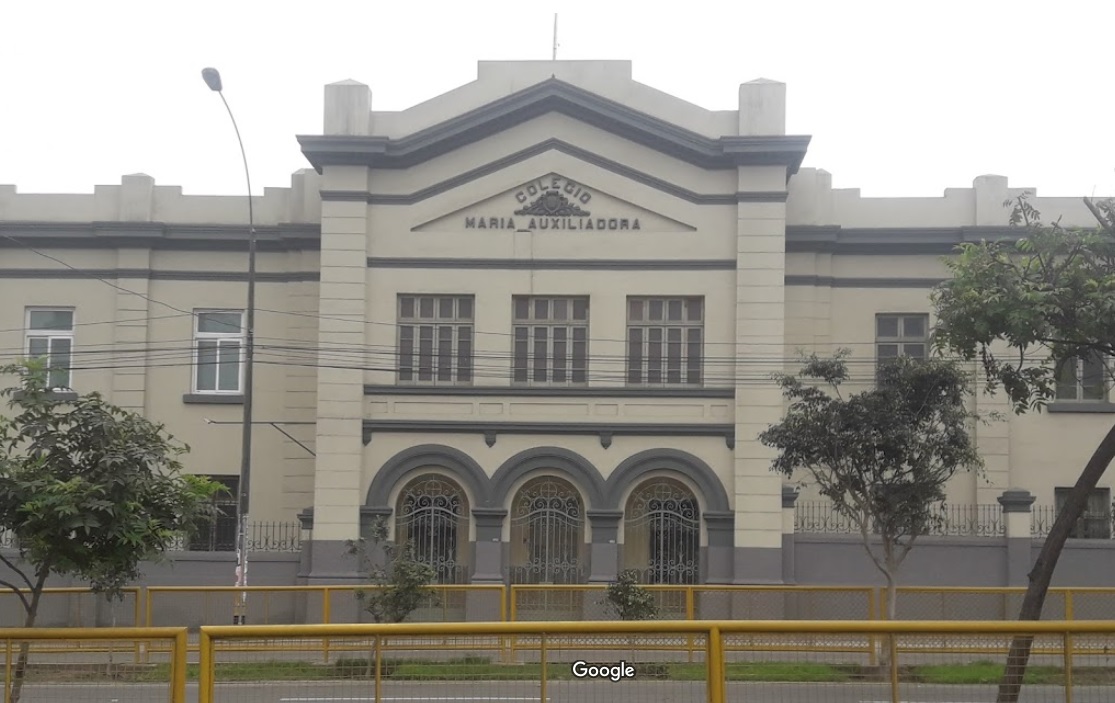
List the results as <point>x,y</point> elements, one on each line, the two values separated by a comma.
<point>1083,378</point>
<point>436,338</point>
<point>550,343</point>
<point>218,351</point>
<point>50,338</point>
<point>664,340</point>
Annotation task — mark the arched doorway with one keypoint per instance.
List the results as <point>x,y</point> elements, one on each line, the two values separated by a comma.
<point>662,533</point>
<point>547,533</point>
<point>432,517</point>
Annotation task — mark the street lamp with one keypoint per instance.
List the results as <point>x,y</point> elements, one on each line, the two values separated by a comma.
<point>213,79</point>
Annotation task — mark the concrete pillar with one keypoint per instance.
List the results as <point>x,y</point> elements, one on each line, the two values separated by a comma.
<point>789,566</point>
<point>1017,504</point>
<point>487,565</point>
<point>718,557</point>
<point>604,553</point>
<point>131,332</point>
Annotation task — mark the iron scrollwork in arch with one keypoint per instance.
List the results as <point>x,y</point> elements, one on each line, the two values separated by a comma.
<point>663,533</point>
<point>433,518</point>
<point>548,527</point>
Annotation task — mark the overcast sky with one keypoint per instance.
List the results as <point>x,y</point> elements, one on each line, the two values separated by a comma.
<point>900,98</point>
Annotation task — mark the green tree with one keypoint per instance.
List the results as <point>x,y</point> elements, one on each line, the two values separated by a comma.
<point>1028,309</point>
<point>882,456</point>
<point>627,600</point>
<point>400,584</point>
<point>88,491</point>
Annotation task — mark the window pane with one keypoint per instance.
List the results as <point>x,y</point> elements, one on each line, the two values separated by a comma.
<point>445,308</point>
<point>406,353</point>
<point>913,326</point>
<point>673,354</point>
<point>38,346</point>
<point>52,320</point>
<point>886,326</point>
<point>674,310</point>
<point>914,351</point>
<point>1093,379</point>
<point>522,308</point>
<point>580,309</point>
<point>464,309</point>
<point>560,351</point>
<point>561,310</point>
<point>694,310</point>
<point>693,362</point>
<point>520,362</point>
<point>540,338</point>
<point>219,322</point>
<point>229,366</point>
<point>426,308</point>
<point>635,310</point>
<point>445,352</point>
<point>464,354</point>
<point>580,355</point>
<point>655,312</point>
<point>654,355</point>
<point>207,365</point>
<point>60,362</point>
<point>406,307</point>
<point>426,350</point>
<point>541,309</point>
<point>634,355</point>
<point>887,351</point>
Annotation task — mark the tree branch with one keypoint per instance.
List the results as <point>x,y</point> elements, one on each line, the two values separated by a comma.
<point>15,589</point>
<point>10,565</point>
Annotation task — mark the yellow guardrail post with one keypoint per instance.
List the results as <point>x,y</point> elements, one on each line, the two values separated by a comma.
<point>1069,614</point>
<point>690,614</point>
<point>178,665</point>
<point>326,614</point>
<point>206,673</point>
<point>892,643</point>
<point>714,656</point>
<point>1066,641</point>
<point>542,662</point>
<point>8,670</point>
<point>379,667</point>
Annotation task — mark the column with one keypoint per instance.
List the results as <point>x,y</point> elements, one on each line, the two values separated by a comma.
<point>338,468</point>
<point>720,527</point>
<point>604,551</point>
<point>488,551</point>
<point>789,498</point>
<point>1017,504</point>
<point>132,309</point>
<point>760,341</point>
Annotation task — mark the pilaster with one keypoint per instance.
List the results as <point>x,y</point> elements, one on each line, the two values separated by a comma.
<point>131,331</point>
<point>1017,505</point>
<point>604,556</point>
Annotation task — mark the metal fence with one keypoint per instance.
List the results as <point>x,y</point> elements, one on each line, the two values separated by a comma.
<point>819,517</point>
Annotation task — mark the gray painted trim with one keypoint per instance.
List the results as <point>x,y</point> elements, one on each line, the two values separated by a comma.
<point>563,147</point>
<point>720,527</point>
<point>153,275</point>
<point>556,264</point>
<point>789,495</point>
<point>212,399</point>
<point>580,471</point>
<point>860,282</point>
<point>1082,407</point>
<point>1016,500</point>
<point>605,525</point>
<point>632,469</point>
<point>162,235</point>
<point>398,468</point>
<point>529,392</point>
<point>557,428</point>
<point>553,95</point>
<point>890,240</point>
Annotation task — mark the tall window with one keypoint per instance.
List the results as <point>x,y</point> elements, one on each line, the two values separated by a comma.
<point>551,340</point>
<point>435,339</point>
<point>1082,378</point>
<point>901,335</point>
<point>547,533</point>
<point>50,338</point>
<point>662,533</point>
<point>664,340</point>
<point>432,517</point>
<point>219,350</point>
<point>1095,523</point>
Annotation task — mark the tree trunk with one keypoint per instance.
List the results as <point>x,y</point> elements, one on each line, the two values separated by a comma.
<point>1042,574</point>
<point>25,647</point>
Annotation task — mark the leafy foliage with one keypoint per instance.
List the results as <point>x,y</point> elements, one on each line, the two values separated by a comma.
<point>882,456</point>
<point>1048,297</point>
<point>627,600</point>
<point>401,584</point>
<point>88,490</point>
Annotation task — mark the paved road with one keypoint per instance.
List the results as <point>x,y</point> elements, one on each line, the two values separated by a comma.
<point>558,692</point>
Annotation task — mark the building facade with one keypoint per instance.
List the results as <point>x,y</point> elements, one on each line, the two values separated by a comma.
<point>530,323</point>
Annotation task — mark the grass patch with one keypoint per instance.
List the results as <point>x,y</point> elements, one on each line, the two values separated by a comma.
<point>982,672</point>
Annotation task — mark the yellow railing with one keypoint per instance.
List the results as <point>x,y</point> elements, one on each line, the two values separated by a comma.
<point>564,653</point>
<point>75,607</point>
<point>97,659</point>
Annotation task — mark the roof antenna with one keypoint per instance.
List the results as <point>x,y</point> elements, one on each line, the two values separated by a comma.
<point>554,58</point>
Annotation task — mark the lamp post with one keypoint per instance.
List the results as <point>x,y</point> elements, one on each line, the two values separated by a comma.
<point>213,79</point>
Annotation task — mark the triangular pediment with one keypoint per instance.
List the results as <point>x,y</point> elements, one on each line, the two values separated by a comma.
<point>554,203</point>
